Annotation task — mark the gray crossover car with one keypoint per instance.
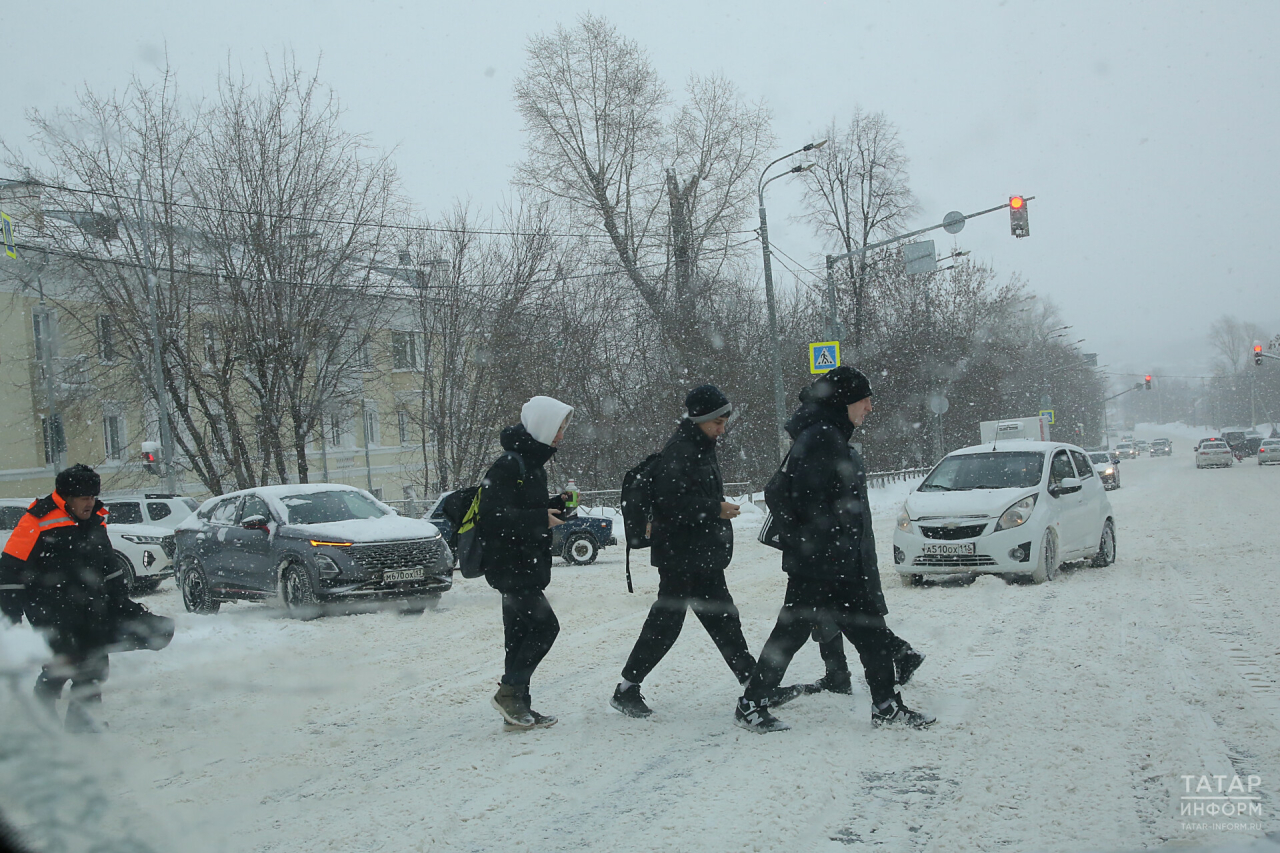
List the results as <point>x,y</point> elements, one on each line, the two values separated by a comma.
<point>308,546</point>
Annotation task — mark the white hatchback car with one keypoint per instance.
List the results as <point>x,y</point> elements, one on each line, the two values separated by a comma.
<point>1269,452</point>
<point>1017,508</point>
<point>143,551</point>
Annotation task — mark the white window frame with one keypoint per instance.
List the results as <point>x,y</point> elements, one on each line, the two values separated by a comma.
<point>404,356</point>
<point>372,426</point>
<point>115,436</point>
<point>106,328</point>
<point>404,424</point>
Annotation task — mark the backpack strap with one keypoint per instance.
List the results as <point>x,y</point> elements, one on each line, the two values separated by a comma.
<point>519,461</point>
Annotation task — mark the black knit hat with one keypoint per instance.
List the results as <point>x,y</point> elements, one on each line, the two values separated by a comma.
<point>841,386</point>
<point>78,481</point>
<point>706,403</point>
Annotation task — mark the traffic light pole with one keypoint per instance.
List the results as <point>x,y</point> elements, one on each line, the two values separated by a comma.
<point>162,406</point>
<point>953,225</point>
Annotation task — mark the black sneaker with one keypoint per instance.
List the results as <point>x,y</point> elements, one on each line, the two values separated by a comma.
<point>780,696</point>
<point>80,721</point>
<point>755,717</point>
<point>513,707</point>
<point>898,714</point>
<point>540,721</point>
<point>906,663</point>
<point>832,682</point>
<point>630,702</point>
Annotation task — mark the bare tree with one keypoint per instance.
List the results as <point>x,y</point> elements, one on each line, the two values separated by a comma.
<point>1232,342</point>
<point>666,189</point>
<point>856,193</point>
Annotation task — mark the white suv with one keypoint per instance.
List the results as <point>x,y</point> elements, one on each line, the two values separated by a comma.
<point>1017,508</point>
<point>161,510</point>
<point>143,551</point>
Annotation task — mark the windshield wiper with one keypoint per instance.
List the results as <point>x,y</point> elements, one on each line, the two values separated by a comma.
<point>934,487</point>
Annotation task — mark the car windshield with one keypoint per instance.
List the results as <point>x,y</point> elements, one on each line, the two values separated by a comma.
<point>1100,457</point>
<point>1015,470</point>
<point>323,507</point>
<point>10,515</point>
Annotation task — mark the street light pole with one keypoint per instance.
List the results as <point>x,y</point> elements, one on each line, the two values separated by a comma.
<point>779,391</point>
<point>162,405</point>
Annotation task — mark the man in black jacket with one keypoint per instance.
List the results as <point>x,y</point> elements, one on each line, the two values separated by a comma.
<point>829,555</point>
<point>58,570</point>
<point>692,546</point>
<point>515,527</point>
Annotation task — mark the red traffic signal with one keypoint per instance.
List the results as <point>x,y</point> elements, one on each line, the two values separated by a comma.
<point>1018,223</point>
<point>1257,354</point>
<point>151,457</point>
<point>1148,381</point>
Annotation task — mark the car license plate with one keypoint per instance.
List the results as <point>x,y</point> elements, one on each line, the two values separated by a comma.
<point>949,548</point>
<point>403,575</point>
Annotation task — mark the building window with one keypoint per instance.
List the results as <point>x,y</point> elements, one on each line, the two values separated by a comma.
<point>105,338</point>
<point>371,437</point>
<point>404,350</point>
<point>335,428</point>
<point>363,360</point>
<point>403,419</point>
<point>54,441</point>
<point>377,493</point>
<point>210,345</point>
<point>113,436</point>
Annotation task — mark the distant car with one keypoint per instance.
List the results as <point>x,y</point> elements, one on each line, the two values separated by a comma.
<point>1126,450</point>
<point>1249,447</point>
<point>578,540</point>
<point>161,510</point>
<point>1210,440</point>
<point>143,552</point>
<point>1107,469</point>
<point>308,546</point>
<point>1162,447</point>
<point>1214,454</point>
<point>1140,447</point>
<point>1024,508</point>
<point>1269,452</point>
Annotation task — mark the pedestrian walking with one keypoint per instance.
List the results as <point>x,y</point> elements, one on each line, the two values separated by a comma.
<point>515,527</point>
<point>58,569</point>
<point>829,555</point>
<point>692,546</point>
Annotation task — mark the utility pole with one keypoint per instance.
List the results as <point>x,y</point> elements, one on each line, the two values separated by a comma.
<point>54,435</point>
<point>162,401</point>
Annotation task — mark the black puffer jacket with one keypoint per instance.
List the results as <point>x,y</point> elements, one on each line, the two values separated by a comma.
<point>60,573</point>
<point>833,539</point>
<point>513,515</point>
<point>688,533</point>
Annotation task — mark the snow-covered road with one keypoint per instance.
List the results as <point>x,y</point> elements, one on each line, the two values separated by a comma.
<point>1068,713</point>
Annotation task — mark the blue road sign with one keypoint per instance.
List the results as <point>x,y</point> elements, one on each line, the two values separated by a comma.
<point>824,356</point>
<point>1047,413</point>
<point>7,225</point>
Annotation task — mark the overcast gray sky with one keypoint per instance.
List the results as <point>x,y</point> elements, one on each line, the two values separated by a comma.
<point>1145,130</point>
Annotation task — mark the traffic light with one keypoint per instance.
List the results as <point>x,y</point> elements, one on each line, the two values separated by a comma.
<point>151,457</point>
<point>1147,379</point>
<point>1018,216</point>
<point>1257,355</point>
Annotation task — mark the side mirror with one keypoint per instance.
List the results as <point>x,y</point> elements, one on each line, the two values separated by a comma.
<point>1069,485</point>
<point>254,522</point>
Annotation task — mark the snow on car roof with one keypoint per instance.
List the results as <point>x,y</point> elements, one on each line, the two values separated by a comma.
<point>1015,445</point>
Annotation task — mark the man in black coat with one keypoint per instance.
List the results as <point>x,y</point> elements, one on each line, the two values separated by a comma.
<point>692,546</point>
<point>829,555</point>
<point>59,571</point>
<point>515,528</point>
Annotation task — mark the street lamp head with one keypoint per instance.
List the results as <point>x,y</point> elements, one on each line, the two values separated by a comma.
<point>814,146</point>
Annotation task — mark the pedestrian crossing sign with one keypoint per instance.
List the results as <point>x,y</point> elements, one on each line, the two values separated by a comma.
<point>824,356</point>
<point>1047,413</point>
<point>6,224</point>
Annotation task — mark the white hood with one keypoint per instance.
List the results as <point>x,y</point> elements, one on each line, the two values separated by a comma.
<point>542,417</point>
<point>387,528</point>
<point>984,503</point>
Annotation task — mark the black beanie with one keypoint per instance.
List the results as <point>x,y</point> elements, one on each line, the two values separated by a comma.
<point>78,481</point>
<point>841,386</point>
<point>706,403</point>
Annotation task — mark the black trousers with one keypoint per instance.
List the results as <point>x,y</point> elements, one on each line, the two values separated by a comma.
<point>85,670</point>
<point>832,648</point>
<point>708,595</point>
<point>810,604</point>
<point>531,627</point>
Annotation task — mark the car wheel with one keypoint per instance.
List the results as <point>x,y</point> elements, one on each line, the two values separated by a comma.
<point>1106,548</point>
<point>197,597</point>
<point>126,568</point>
<point>912,580</point>
<point>1047,563</point>
<point>581,549</point>
<point>298,593</point>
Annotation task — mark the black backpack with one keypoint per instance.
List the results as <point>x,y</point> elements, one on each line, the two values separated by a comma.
<point>470,548</point>
<point>777,497</point>
<point>637,507</point>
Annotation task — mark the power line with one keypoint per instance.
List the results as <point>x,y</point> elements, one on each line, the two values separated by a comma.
<point>432,229</point>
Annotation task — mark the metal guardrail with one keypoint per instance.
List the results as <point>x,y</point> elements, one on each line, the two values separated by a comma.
<point>877,479</point>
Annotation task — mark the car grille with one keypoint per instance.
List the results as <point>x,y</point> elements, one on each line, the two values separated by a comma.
<point>391,556</point>
<point>169,547</point>
<point>955,560</point>
<point>968,531</point>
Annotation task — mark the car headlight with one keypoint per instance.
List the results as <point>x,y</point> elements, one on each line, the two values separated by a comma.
<point>904,520</point>
<point>1109,471</point>
<point>139,539</point>
<point>1017,515</point>
<point>326,567</point>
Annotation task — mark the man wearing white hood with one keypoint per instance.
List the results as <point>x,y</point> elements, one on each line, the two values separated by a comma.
<point>515,526</point>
